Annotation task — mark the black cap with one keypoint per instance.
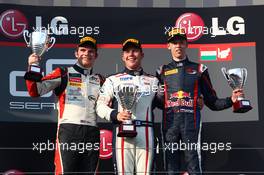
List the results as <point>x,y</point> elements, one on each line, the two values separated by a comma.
<point>175,34</point>
<point>131,42</point>
<point>88,41</point>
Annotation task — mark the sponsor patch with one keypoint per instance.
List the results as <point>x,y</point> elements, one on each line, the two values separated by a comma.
<point>142,94</point>
<point>180,99</point>
<point>191,71</point>
<point>75,94</point>
<point>75,91</point>
<point>180,94</point>
<point>125,78</point>
<point>183,110</point>
<point>74,75</point>
<point>73,79</point>
<point>75,84</point>
<point>169,72</point>
<point>74,98</point>
<point>180,102</point>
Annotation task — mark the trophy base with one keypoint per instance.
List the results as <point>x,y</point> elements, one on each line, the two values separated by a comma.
<point>242,106</point>
<point>127,130</point>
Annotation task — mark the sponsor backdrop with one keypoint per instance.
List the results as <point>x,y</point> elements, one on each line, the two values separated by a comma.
<point>218,37</point>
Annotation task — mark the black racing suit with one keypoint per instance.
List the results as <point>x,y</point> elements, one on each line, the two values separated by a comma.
<point>184,82</point>
<point>78,137</point>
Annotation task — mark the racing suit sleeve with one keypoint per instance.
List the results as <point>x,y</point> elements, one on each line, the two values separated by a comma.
<point>48,83</point>
<point>159,98</point>
<point>102,79</point>
<point>104,102</point>
<point>210,98</point>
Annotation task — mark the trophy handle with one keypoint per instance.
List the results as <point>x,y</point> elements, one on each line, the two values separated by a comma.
<point>223,69</point>
<point>25,35</point>
<point>52,40</point>
<point>244,70</point>
<point>229,80</point>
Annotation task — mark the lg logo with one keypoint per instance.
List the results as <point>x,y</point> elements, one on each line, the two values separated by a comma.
<point>49,67</point>
<point>195,27</point>
<point>106,144</point>
<point>13,23</point>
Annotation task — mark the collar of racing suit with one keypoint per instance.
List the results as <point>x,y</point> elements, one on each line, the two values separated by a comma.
<point>180,63</point>
<point>134,72</point>
<point>82,70</point>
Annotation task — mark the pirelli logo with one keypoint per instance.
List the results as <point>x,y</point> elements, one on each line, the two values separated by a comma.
<point>131,40</point>
<point>177,31</point>
<point>75,84</point>
<point>170,72</point>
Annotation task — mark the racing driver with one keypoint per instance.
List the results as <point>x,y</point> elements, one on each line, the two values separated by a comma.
<point>184,82</point>
<point>77,89</point>
<point>132,154</point>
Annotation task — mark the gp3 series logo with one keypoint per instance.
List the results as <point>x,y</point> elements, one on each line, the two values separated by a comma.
<point>28,104</point>
<point>13,23</point>
<point>49,67</point>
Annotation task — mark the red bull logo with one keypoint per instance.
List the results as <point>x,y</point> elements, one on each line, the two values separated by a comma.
<point>180,94</point>
<point>180,99</point>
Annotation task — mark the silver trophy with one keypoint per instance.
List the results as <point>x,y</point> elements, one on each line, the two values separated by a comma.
<point>127,96</point>
<point>236,79</point>
<point>39,41</point>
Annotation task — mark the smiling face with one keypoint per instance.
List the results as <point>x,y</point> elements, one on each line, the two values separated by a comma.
<point>178,49</point>
<point>132,57</point>
<point>86,56</point>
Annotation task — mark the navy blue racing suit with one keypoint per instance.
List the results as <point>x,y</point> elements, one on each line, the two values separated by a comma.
<point>184,82</point>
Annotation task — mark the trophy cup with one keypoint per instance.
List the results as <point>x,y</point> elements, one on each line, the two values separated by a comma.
<point>127,97</point>
<point>236,78</point>
<point>39,42</point>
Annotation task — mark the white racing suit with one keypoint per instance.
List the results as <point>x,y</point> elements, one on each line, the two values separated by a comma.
<point>77,90</point>
<point>131,153</point>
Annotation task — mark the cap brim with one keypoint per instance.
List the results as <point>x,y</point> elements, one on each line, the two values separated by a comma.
<point>87,43</point>
<point>177,37</point>
<point>130,44</point>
